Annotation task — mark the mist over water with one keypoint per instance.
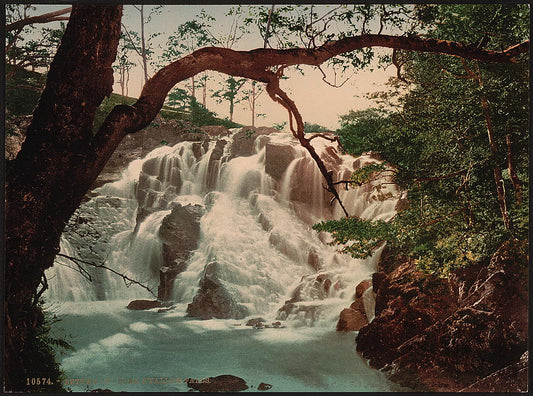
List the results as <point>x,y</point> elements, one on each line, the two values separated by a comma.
<point>256,233</point>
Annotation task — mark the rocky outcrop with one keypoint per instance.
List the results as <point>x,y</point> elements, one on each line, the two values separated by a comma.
<point>222,383</point>
<point>138,305</point>
<point>134,146</point>
<point>213,299</point>
<point>511,378</point>
<point>244,140</point>
<point>179,233</point>
<point>277,159</point>
<point>213,165</point>
<point>438,335</point>
<point>314,287</point>
<point>355,317</point>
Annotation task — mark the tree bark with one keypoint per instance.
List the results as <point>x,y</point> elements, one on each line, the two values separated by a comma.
<point>48,179</point>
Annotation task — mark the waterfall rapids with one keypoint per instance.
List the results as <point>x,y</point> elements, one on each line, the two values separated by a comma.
<point>255,232</point>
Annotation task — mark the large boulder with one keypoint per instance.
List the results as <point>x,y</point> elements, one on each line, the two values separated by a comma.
<point>351,320</point>
<point>179,233</point>
<point>355,317</point>
<point>213,165</point>
<point>159,133</point>
<point>277,159</point>
<point>439,335</point>
<point>213,300</point>
<point>244,140</point>
<point>222,383</point>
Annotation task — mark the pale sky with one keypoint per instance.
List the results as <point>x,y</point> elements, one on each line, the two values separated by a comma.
<point>318,102</point>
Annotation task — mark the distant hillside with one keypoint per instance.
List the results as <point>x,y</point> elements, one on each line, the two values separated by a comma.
<point>24,88</point>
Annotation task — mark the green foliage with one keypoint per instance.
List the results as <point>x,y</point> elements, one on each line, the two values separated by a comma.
<point>435,137</point>
<point>314,128</point>
<point>367,173</point>
<point>25,50</point>
<point>370,234</point>
<point>41,353</point>
<point>280,126</point>
<point>23,90</point>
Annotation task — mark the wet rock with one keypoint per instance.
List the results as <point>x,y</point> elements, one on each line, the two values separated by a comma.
<point>362,287</point>
<point>266,224</point>
<point>197,150</point>
<point>355,317</point>
<point>138,305</point>
<point>215,130</point>
<point>429,334</point>
<point>351,320</point>
<point>331,157</point>
<point>179,233</point>
<point>244,140</point>
<point>254,321</point>
<point>263,386</point>
<point>277,159</point>
<point>213,165</point>
<point>137,145</point>
<point>222,383</point>
<point>314,260</point>
<point>213,300</point>
<point>276,325</point>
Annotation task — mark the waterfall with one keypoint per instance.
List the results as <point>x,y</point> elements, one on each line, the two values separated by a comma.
<point>66,281</point>
<point>260,197</point>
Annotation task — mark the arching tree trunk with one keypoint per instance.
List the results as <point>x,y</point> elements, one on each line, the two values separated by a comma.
<point>47,180</point>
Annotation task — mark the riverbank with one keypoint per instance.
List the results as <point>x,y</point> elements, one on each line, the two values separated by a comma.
<point>464,333</point>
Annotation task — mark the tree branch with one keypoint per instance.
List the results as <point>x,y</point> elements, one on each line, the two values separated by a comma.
<point>127,280</point>
<point>45,18</point>
<point>256,65</point>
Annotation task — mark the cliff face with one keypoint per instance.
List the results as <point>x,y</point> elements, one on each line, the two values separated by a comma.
<point>467,333</point>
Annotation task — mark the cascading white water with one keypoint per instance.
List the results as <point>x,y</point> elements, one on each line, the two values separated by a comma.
<point>256,229</point>
<point>65,281</point>
<point>255,238</point>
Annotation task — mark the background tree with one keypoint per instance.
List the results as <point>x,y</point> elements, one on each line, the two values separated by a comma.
<point>230,93</point>
<point>251,95</point>
<point>457,143</point>
<point>123,63</point>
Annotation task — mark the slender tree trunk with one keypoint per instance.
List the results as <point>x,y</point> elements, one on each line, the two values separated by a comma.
<point>497,171</point>
<point>269,21</point>
<point>122,80</point>
<point>48,178</point>
<point>143,45</point>
<point>517,184</point>
<point>204,91</point>
<point>253,103</point>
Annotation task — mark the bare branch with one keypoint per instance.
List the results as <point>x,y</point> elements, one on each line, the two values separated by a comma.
<point>44,18</point>
<point>127,280</point>
<point>131,40</point>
